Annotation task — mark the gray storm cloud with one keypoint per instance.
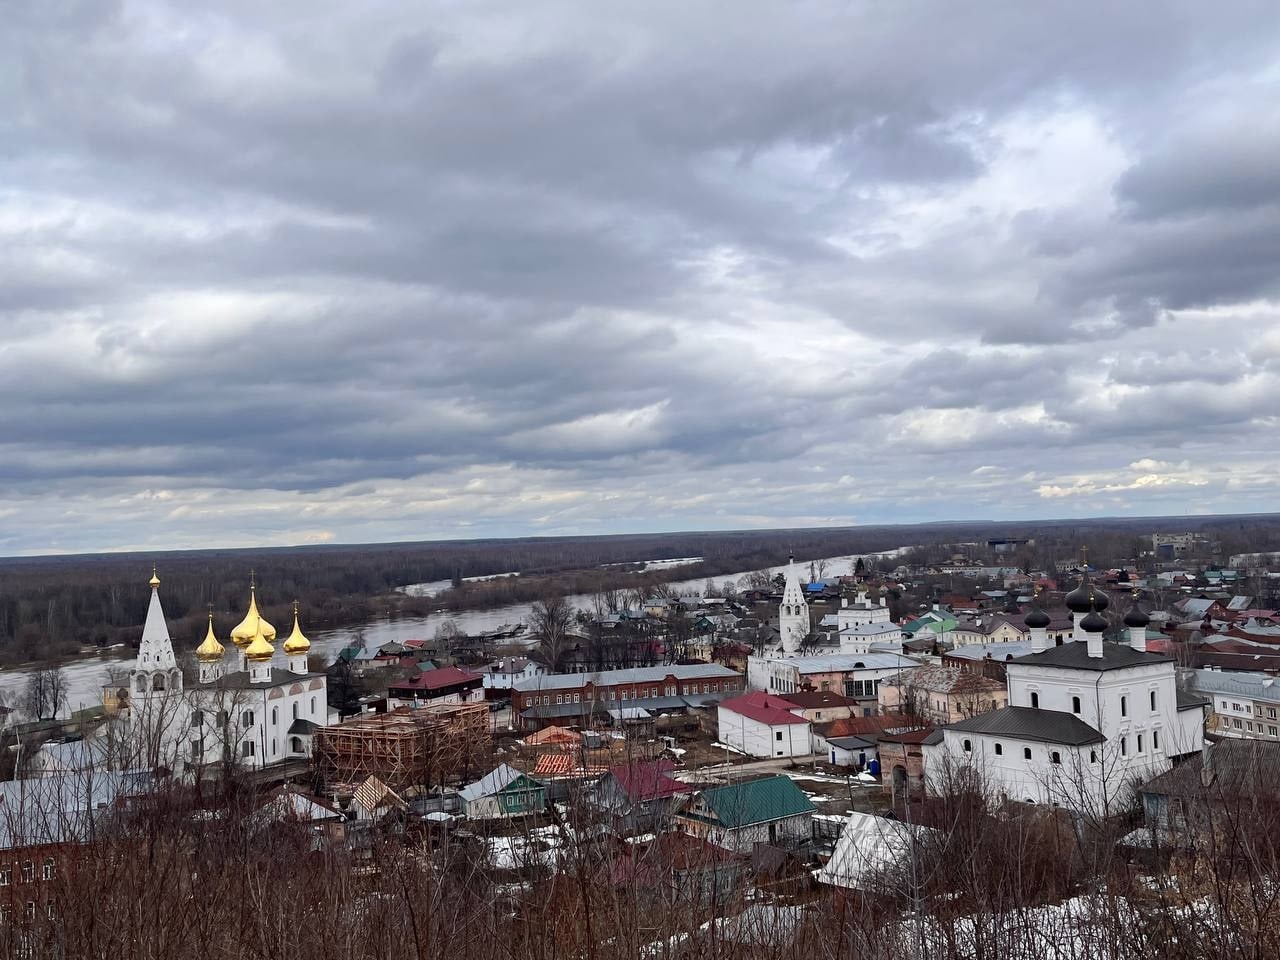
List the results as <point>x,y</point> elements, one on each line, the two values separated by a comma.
<point>271,274</point>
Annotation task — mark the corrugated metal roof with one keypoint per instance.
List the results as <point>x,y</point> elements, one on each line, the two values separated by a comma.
<point>1031,723</point>
<point>1075,656</point>
<point>844,662</point>
<point>608,678</point>
<point>756,801</point>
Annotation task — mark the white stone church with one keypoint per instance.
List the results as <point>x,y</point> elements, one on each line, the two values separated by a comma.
<point>249,707</point>
<point>1087,719</point>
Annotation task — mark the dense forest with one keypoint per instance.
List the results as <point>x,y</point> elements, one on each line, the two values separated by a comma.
<point>50,606</point>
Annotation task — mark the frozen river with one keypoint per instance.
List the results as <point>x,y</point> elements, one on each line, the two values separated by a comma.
<point>86,677</point>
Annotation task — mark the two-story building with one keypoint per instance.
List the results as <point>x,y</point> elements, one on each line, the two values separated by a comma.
<point>941,694</point>
<point>572,698</point>
<point>1242,705</point>
<point>1086,720</point>
<point>852,675</point>
<point>442,685</point>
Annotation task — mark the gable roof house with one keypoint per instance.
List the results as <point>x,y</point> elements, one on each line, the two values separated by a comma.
<point>763,725</point>
<point>736,816</point>
<point>503,792</point>
<point>639,796</point>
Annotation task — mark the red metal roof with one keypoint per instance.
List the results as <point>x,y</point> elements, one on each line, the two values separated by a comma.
<point>648,780</point>
<point>763,708</point>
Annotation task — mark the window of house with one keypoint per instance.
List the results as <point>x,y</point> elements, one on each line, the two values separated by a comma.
<point>197,718</point>
<point>1093,756</point>
<point>6,876</point>
<point>28,871</point>
<point>1155,739</point>
<point>1139,743</point>
<point>5,913</point>
<point>968,746</point>
<point>1224,704</point>
<point>1271,730</point>
<point>246,719</point>
<point>1055,757</point>
<point>778,735</point>
<point>999,749</point>
<point>1235,722</point>
<point>47,869</point>
<point>1026,753</point>
<point>1035,699</point>
<point>1153,701</point>
<point>1124,706</point>
<point>1271,713</point>
<point>1249,727</point>
<point>576,697</point>
<point>222,718</point>
<point>246,749</point>
<point>31,910</point>
<point>1075,704</point>
<point>1124,746</point>
<point>51,910</point>
<point>559,698</point>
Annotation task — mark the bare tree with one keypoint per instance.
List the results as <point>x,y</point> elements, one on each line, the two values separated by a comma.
<point>549,621</point>
<point>44,695</point>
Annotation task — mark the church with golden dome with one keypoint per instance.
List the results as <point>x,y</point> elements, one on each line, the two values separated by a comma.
<point>249,705</point>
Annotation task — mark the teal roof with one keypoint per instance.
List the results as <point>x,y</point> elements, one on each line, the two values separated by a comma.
<point>757,801</point>
<point>933,622</point>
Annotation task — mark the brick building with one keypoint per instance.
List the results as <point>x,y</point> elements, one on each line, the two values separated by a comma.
<point>571,698</point>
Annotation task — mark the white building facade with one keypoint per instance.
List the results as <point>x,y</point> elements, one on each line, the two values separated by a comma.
<point>251,708</point>
<point>763,726</point>
<point>1086,722</point>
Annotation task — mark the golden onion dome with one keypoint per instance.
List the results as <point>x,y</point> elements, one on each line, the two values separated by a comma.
<point>210,650</point>
<point>297,642</point>
<point>259,650</point>
<point>155,579</point>
<point>247,629</point>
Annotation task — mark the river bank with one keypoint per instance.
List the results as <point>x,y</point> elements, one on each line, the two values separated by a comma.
<point>85,676</point>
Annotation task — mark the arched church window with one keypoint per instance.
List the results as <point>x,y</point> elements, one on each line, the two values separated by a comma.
<point>295,709</point>
<point>142,684</point>
<point>295,744</point>
<point>275,716</point>
<point>157,682</point>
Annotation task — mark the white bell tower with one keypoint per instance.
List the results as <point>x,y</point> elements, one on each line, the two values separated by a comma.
<point>793,614</point>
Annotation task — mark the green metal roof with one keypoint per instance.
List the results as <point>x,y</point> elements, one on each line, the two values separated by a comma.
<point>756,801</point>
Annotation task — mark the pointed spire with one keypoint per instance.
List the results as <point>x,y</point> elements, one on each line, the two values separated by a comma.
<point>155,652</point>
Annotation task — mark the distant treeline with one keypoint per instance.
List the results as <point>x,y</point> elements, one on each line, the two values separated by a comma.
<point>50,606</point>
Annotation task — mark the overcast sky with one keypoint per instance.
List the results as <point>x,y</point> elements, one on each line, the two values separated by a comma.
<point>300,271</point>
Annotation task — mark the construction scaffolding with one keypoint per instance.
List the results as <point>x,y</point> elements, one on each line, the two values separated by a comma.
<point>407,749</point>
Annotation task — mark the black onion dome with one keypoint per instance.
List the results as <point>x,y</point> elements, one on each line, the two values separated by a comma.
<point>1037,618</point>
<point>1087,597</point>
<point>1136,618</point>
<point>1093,622</point>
